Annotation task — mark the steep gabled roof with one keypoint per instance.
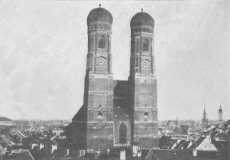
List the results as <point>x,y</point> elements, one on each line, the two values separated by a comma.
<point>207,145</point>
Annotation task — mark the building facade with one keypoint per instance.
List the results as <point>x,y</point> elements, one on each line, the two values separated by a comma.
<point>117,112</point>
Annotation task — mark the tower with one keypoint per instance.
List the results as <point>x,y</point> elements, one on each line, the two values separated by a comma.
<point>143,83</point>
<point>117,112</point>
<point>92,126</point>
<point>100,81</point>
<point>204,121</point>
<point>99,22</point>
<point>220,114</point>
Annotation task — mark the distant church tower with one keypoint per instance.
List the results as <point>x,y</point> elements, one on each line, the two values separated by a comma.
<point>220,114</point>
<point>143,83</point>
<point>204,121</point>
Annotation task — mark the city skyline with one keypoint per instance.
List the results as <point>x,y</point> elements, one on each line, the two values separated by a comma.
<point>43,58</point>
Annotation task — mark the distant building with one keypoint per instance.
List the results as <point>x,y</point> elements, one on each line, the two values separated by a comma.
<point>6,122</point>
<point>213,145</point>
<point>117,112</point>
<point>57,131</point>
<point>19,154</point>
<point>204,121</point>
<point>220,114</point>
<point>206,145</point>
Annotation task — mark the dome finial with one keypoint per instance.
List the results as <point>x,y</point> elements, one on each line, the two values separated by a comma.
<point>100,5</point>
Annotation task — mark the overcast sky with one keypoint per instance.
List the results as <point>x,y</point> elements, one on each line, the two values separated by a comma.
<point>43,47</point>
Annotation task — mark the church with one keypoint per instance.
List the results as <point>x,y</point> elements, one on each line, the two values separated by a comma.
<point>117,112</point>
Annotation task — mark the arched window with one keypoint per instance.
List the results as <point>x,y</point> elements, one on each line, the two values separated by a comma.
<point>90,61</point>
<point>101,42</point>
<point>146,44</point>
<point>99,115</point>
<point>90,43</point>
<point>136,45</point>
<point>146,115</point>
<point>136,61</point>
<point>123,134</point>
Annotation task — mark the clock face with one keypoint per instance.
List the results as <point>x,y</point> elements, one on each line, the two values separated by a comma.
<point>101,60</point>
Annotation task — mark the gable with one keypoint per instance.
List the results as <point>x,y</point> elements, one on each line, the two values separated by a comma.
<point>207,145</point>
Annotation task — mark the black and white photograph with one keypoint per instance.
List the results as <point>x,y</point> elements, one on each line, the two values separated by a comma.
<point>114,80</point>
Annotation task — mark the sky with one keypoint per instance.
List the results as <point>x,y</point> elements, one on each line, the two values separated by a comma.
<point>43,47</point>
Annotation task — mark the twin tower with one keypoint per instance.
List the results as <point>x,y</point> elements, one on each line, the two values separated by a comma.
<point>117,112</point>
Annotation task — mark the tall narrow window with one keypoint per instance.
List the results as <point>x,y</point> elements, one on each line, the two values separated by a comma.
<point>123,133</point>
<point>90,62</point>
<point>91,42</point>
<point>136,45</point>
<point>136,61</point>
<point>146,116</point>
<point>99,115</point>
<point>108,43</point>
<point>146,45</point>
<point>101,42</point>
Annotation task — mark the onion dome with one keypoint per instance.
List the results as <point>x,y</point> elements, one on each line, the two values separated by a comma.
<point>142,19</point>
<point>99,15</point>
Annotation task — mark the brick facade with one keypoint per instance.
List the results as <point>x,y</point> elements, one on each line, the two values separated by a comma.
<point>117,113</point>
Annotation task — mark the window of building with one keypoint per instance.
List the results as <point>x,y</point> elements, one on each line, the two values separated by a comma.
<point>146,115</point>
<point>136,61</point>
<point>136,45</point>
<point>123,134</point>
<point>90,61</point>
<point>101,42</point>
<point>100,115</point>
<point>146,45</point>
<point>91,43</point>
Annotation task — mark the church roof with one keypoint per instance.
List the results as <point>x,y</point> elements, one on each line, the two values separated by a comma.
<point>21,154</point>
<point>99,15</point>
<point>142,18</point>
<point>207,145</point>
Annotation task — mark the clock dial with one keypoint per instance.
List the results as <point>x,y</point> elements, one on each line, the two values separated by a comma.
<point>101,60</point>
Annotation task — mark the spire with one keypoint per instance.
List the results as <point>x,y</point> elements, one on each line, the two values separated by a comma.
<point>220,113</point>
<point>204,113</point>
<point>99,5</point>
<point>204,119</point>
